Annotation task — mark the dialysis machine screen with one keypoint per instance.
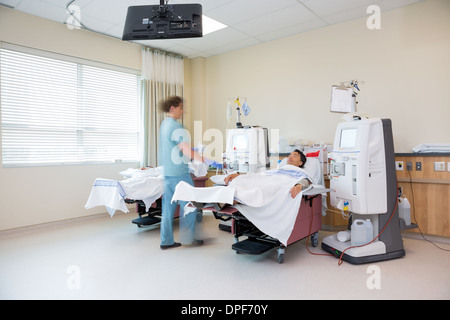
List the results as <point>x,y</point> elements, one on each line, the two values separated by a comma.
<point>240,142</point>
<point>348,138</point>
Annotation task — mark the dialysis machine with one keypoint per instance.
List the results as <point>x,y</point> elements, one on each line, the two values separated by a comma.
<point>247,150</point>
<point>247,147</point>
<point>363,182</point>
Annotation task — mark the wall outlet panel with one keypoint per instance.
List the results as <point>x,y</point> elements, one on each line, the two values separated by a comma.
<point>439,166</point>
<point>418,166</point>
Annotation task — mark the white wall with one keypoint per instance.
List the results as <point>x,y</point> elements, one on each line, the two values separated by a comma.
<point>405,66</point>
<point>30,196</point>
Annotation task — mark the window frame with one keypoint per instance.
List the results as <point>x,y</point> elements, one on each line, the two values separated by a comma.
<point>80,62</point>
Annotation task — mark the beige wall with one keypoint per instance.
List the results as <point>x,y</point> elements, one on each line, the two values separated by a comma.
<point>30,196</point>
<point>195,94</point>
<point>405,66</point>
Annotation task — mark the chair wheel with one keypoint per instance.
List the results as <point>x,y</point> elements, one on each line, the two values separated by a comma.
<point>315,239</point>
<point>281,258</point>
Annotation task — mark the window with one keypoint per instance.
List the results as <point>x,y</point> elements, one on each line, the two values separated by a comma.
<point>60,112</point>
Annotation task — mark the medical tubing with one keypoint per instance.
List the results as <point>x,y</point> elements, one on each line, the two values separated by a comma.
<point>381,232</point>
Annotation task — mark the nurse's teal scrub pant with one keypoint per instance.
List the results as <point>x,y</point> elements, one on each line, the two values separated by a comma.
<point>187,223</point>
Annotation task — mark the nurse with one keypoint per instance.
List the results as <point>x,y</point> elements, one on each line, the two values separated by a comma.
<point>175,154</point>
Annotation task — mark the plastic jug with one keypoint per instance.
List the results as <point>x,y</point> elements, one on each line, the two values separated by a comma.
<point>404,210</point>
<point>362,232</point>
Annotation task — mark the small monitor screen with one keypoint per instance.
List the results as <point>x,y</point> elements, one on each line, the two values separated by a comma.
<point>348,138</point>
<point>240,142</point>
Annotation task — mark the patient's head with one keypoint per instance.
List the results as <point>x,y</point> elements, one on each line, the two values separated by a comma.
<point>297,158</point>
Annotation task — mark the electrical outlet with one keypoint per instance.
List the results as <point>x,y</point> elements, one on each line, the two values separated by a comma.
<point>398,165</point>
<point>448,166</point>
<point>418,166</point>
<point>439,166</point>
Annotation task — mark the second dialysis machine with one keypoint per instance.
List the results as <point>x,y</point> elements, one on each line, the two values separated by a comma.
<point>247,150</point>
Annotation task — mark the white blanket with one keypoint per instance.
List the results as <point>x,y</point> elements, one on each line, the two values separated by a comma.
<point>147,189</point>
<point>185,192</point>
<point>108,193</point>
<point>112,193</point>
<point>260,189</point>
<point>265,197</point>
<point>146,185</point>
<point>276,218</point>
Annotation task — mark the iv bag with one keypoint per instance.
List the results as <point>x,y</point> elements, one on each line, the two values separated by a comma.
<point>229,111</point>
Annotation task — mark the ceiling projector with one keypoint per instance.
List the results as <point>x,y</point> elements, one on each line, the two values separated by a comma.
<point>163,21</point>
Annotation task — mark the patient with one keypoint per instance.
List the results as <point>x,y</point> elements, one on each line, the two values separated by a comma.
<point>295,158</point>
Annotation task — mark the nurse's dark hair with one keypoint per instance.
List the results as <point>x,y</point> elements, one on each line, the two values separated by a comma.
<point>174,101</point>
<point>302,158</point>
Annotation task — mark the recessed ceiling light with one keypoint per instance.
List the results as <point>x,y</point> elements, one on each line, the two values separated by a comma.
<point>211,25</point>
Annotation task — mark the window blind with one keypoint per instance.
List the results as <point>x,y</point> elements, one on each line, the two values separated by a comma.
<point>60,112</point>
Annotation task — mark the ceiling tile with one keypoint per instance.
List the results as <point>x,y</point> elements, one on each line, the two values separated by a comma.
<point>326,8</point>
<point>274,21</point>
<point>386,5</point>
<point>206,4</point>
<point>233,46</point>
<point>239,11</point>
<point>10,3</point>
<point>216,39</point>
<point>346,16</point>
<point>111,11</point>
<point>96,24</point>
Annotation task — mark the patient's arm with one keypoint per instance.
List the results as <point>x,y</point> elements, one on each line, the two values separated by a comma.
<point>304,183</point>
<point>229,178</point>
<point>296,190</point>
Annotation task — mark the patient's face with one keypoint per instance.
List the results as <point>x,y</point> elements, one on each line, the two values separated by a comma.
<point>294,159</point>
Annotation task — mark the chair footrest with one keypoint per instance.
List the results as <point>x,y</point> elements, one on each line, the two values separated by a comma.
<point>146,221</point>
<point>253,246</point>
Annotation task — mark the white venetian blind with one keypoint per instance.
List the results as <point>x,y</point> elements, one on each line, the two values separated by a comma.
<point>60,112</point>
